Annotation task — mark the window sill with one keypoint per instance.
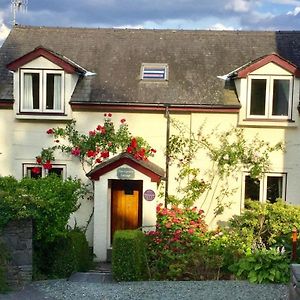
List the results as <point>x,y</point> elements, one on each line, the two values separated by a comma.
<point>43,116</point>
<point>252,122</point>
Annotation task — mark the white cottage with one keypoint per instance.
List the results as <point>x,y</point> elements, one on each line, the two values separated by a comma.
<point>249,80</point>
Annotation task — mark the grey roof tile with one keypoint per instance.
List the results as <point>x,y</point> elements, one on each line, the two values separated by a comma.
<point>195,59</point>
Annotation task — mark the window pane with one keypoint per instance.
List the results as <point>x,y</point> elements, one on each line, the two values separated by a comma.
<point>57,171</point>
<point>34,172</point>
<point>154,73</point>
<point>281,90</point>
<point>31,92</point>
<point>258,97</point>
<point>274,188</point>
<point>53,100</point>
<point>251,188</point>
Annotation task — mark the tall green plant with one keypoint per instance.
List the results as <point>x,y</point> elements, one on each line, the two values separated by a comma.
<point>48,201</point>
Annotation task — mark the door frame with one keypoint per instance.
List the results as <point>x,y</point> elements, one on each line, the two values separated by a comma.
<point>138,186</point>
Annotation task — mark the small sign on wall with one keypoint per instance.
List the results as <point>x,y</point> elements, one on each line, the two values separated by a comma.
<point>149,195</point>
<point>125,173</point>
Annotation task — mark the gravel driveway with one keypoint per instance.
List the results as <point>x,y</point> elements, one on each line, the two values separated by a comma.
<point>152,290</point>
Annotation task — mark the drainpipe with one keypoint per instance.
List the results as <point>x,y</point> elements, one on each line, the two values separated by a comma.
<point>167,116</point>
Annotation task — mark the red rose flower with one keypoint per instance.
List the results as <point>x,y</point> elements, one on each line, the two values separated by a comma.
<point>75,151</point>
<point>92,133</point>
<point>133,143</point>
<point>153,150</point>
<point>129,149</point>
<point>50,131</point>
<point>98,160</point>
<point>101,129</point>
<point>47,165</point>
<point>105,154</point>
<point>38,159</point>
<point>91,153</point>
<point>36,170</point>
<point>123,121</point>
<point>109,115</point>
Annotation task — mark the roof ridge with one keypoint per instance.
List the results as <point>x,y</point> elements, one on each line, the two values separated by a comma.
<point>18,26</point>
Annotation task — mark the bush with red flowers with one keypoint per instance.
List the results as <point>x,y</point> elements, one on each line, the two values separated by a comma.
<point>99,144</point>
<point>178,231</point>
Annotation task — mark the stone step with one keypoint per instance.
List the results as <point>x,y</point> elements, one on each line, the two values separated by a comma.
<point>103,267</point>
<point>92,276</point>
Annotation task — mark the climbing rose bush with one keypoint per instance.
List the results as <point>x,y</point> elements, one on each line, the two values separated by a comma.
<point>95,146</point>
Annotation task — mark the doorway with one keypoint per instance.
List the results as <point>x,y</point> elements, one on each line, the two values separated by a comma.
<point>126,205</point>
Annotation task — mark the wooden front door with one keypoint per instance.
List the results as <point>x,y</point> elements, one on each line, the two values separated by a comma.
<point>126,205</point>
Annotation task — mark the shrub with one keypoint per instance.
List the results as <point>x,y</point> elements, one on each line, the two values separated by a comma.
<point>128,256</point>
<point>62,259</point>
<point>178,232</point>
<point>228,245</point>
<point>267,223</point>
<point>63,256</point>
<point>263,266</point>
<point>203,264</point>
<point>81,249</point>
<point>48,201</point>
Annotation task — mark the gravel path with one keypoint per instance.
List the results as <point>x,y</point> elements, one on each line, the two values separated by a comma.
<point>208,290</point>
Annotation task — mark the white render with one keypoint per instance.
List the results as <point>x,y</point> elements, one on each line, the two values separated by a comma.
<point>23,137</point>
<point>102,206</point>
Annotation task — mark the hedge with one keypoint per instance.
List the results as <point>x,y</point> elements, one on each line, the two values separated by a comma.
<point>129,256</point>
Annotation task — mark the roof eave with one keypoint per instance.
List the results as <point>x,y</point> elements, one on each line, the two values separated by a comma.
<point>51,56</point>
<point>272,58</point>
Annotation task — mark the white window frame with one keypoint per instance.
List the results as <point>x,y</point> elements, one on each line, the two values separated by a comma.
<point>155,65</point>
<point>263,185</point>
<point>269,96</point>
<point>42,91</point>
<point>44,171</point>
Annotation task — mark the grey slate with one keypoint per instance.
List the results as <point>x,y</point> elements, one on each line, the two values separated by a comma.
<point>195,59</point>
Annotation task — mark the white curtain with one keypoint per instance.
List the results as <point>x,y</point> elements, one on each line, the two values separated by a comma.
<point>57,92</point>
<point>28,92</point>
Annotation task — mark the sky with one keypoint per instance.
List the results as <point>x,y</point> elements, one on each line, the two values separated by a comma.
<point>155,14</point>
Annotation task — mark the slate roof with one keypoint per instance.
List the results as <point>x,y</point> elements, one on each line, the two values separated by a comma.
<point>195,59</point>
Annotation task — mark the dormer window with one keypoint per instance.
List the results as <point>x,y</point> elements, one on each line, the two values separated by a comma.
<point>42,91</point>
<point>270,97</point>
<point>154,71</point>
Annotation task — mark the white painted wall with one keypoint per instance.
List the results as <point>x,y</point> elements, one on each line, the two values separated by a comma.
<point>21,140</point>
<point>102,214</point>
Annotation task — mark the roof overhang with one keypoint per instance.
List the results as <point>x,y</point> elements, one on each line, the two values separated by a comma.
<point>55,58</point>
<point>271,58</point>
<point>146,167</point>
<point>184,108</point>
